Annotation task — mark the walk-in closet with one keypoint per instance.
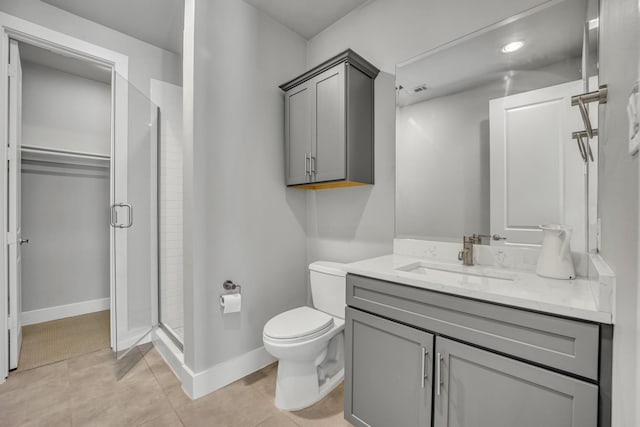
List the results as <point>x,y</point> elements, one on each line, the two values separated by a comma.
<point>64,199</point>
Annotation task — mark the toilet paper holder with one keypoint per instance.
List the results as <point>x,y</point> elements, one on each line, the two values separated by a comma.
<point>228,285</point>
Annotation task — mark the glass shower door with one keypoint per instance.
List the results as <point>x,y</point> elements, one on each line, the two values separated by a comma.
<point>134,215</point>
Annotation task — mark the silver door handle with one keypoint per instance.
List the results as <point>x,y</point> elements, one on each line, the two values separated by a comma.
<point>113,219</point>
<point>307,161</point>
<point>438,368</point>
<point>313,164</point>
<point>23,241</point>
<point>423,355</point>
<point>130,216</point>
<point>114,215</point>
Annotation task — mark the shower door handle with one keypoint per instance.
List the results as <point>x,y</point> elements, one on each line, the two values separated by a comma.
<point>114,215</point>
<point>113,218</point>
<point>129,216</point>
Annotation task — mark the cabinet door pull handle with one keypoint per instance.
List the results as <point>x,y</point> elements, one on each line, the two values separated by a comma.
<point>423,357</point>
<point>438,380</point>
<point>313,164</point>
<point>307,161</point>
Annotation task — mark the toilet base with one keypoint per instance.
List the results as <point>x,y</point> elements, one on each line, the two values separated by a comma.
<point>297,385</point>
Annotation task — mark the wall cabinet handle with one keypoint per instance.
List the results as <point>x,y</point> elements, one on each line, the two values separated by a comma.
<point>438,374</point>
<point>313,163</point>
<point>307,161</point>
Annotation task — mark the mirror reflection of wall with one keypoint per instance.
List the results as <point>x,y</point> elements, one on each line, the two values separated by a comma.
<point>463,167</point>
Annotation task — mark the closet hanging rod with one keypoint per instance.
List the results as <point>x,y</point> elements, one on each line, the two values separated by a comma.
<point>68,153</point>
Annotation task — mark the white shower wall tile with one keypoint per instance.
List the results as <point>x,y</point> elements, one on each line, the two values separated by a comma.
<point>169,98</point>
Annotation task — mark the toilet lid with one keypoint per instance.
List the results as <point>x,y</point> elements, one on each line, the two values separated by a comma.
<point>296,323</point>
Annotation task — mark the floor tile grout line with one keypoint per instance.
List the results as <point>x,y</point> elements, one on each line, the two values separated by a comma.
<point>164,391</point>
<point>75,356</point>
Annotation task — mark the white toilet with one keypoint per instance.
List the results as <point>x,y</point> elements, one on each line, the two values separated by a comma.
<point>309,342</point>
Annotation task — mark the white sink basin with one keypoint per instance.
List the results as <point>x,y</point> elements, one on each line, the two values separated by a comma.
<point>469,274</point>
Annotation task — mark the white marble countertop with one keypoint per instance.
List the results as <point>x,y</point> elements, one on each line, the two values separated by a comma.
<point>516,288</point>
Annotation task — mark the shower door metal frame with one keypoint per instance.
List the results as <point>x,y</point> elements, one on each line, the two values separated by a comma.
<point>167,330</point>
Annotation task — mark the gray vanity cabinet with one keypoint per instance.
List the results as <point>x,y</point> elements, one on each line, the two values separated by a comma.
<point>390,365</point>
<point>480,388</point>
<point>484,364</point>
<point>329,124</point>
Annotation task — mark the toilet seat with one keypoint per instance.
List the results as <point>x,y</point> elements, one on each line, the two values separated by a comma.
<point>298,324</point>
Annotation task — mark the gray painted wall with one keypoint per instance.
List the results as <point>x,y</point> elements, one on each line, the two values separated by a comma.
<point>241,222</point>
<point>64,208</point>
<point>65,216</point>
<point>64,111</point>
<point>145,61</point>
<point>618,197</point>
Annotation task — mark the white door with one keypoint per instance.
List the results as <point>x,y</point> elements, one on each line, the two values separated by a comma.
<point>537,172</point>
<point>15,231</point>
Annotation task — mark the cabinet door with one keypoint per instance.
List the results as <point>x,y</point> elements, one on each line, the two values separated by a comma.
<point>388,377</point>
<point>297,110</point>
<point>329,124</point>
<point>479,388</point>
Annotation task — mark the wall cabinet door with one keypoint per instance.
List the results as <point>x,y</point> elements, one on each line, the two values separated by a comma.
<point>329,156</point>
<point>297,105</point>
<point>388,379</point>
<point>474,387</point>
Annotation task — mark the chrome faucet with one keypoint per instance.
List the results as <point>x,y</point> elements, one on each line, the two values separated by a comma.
<point>466,254</point>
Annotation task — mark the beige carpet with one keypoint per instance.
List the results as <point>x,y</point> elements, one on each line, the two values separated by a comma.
<point>48,342</point>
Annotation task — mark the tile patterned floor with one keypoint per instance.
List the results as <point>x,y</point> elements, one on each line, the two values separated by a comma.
<point>94,390</point>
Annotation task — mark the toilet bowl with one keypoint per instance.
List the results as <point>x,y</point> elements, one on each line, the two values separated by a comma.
<point>309,341</point>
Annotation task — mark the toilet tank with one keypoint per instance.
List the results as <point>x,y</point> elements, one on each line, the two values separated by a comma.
<point>328,287</point>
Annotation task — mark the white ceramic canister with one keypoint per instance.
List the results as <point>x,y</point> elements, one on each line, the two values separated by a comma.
<point>555,259</point>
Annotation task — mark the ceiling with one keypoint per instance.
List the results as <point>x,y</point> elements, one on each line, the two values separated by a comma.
<point>46,58</point>
<point>550,35</point>
<point>306,17</point>
<point>161,22</point>
<point>158,22</point>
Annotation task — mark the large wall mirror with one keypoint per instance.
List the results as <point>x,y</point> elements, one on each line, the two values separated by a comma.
<point>484,129</point>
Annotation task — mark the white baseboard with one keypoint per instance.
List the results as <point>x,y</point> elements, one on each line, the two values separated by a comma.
<point>199,384</point>
<point>62,311</point>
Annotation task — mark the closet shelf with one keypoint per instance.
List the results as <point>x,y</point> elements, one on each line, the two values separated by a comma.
<point>67,157</point>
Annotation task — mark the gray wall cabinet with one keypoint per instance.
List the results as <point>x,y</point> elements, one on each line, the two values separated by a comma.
<point>485,365</point>
<point>329,124</point>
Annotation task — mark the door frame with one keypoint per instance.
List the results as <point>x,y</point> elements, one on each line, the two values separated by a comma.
<point>37,35</point>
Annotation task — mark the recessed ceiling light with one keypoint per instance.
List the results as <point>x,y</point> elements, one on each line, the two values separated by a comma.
<point>512,47</point>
